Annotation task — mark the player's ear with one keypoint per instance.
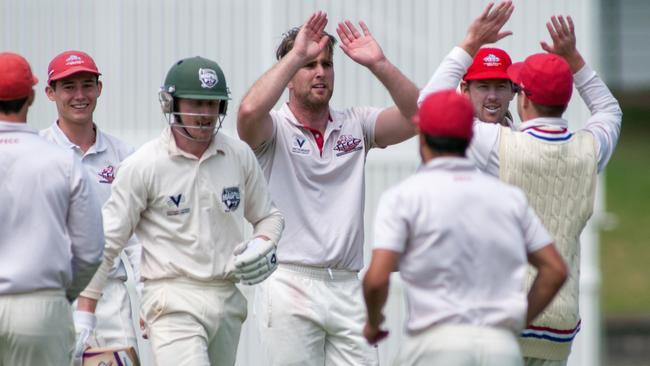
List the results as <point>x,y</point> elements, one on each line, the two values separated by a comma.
<point>100,85</point>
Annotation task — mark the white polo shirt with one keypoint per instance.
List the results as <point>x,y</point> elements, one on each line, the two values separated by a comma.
<point>50,222</point>
<point>463,238</point>
<point>604,123</point>
<point>101,161</point>
<point>188,213</point>
<point>320,195</point>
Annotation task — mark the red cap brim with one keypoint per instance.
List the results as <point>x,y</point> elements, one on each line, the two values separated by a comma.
<point>487,75</point>
<point>513,72</point>
<point>71,71</point>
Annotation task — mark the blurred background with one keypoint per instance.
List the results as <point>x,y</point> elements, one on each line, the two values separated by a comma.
<point>135,42</point>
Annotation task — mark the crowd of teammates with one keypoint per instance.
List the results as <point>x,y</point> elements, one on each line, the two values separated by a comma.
<point>494,206</point>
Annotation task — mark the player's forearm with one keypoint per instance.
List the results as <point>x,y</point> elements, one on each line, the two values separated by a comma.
<point>402,90</point>
<point>546,285</point>
<point>449,73</point>
<point>266,91</point>
<point>375,293</point>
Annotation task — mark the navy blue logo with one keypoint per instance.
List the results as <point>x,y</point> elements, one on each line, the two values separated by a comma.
<point>231,198</point>
<point>273,259</point>
<point>176,200</point>
<point>300,141</point>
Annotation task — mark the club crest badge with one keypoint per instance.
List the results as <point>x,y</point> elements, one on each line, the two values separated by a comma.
<point>208,78</point>
<point>107,174</point>
<point>347,144</point>
<point>231,198</point>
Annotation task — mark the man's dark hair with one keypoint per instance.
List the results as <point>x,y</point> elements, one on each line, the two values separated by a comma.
<point>53,82</point>
<point>12,106</point>
<point>549,110</point>
<point>451,145</point>
<point>289,38</point>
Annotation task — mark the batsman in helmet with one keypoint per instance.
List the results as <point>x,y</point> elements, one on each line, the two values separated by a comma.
<point>187,195</point>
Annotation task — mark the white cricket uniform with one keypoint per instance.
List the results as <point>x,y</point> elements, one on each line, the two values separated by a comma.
<point>188,214</point>
<point>50,246</point>
<point>463,238</point>
<point>564,201</point>
<point>115,326</point>
<point>311,309</point>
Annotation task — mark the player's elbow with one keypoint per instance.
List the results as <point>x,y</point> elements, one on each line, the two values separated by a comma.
<point>374,282</point>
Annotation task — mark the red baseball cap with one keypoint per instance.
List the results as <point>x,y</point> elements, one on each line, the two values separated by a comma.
<point>68,63</point>
<point>446,114</point>
<point>489,63</point>
<point>16,78</point>
<point>546,79</point>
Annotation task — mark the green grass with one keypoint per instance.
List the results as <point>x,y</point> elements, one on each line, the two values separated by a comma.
<point>625,250</point>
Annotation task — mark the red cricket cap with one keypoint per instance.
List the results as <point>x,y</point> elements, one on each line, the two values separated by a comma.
<point>68,63</point>
<point>446,114</point>
<point>489,63</point>
<point>546,79</point>
<point>16,78</point>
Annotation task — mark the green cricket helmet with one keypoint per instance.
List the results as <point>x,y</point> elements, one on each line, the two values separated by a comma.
<point>195,78</point>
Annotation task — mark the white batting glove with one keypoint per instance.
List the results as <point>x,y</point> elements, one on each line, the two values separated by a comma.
<point>84,324</point>
<point>254,262</point>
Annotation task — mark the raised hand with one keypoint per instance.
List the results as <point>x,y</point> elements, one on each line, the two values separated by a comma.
<point>487,27</point>
<point>363,49</point>
<point>311,41</point>
<point>564,41</point>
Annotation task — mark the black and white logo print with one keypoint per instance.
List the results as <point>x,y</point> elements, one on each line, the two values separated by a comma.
<point>231,198</point>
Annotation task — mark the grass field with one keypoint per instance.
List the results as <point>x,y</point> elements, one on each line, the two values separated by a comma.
<point>625,250</point>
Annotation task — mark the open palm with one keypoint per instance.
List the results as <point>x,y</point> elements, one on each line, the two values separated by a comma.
<point>363,49</point>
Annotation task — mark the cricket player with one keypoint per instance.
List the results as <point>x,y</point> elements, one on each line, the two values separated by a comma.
<point>485,81</point>
<point>557,168</point>
<point>73,84</point>
<point>51,239</point>
<point>460,240</point>
<point>310,311</point>
<point>188,196</point>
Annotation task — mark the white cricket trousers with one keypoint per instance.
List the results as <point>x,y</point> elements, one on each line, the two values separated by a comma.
<point>193,323</point>
<point>311,316</point>
<point>36,328</point>
<point>460,345</point>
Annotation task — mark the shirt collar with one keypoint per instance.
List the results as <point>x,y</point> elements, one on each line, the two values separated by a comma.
<point>16,127</point>
<point>552,122</point>
<point>454,163</point>
<point>169,141</point>
<point>63,140</point>
<point>335,120</point>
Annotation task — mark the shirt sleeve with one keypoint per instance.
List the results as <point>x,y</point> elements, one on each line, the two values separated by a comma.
<point>367,116</point>
<point>259,209</point>
<point>121,215</point>
<point>391,222</point>
<point>449,73</point>
<point>606,114</point>
<point>264,152</point>
<point>484,147</point>
<point>84,225</point>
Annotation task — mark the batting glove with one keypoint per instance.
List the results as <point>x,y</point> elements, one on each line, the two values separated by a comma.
<point>255,262</point>
<point>84,324</point>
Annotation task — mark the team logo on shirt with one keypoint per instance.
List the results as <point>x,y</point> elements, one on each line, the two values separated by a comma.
<point>208,78</point>
<point>347,144</point>
<point>175,202</point>
<point>231,198</point>
<point>107,174</point>
<point>299,145</point>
